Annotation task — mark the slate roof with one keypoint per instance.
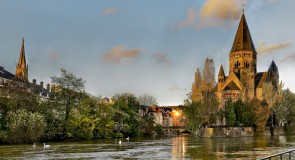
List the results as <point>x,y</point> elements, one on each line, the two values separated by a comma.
<point>243,40</point>
<point>231,86</point>
<point>6,74</point>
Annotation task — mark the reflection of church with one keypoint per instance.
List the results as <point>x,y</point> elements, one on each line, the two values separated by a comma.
<point>243,79</point>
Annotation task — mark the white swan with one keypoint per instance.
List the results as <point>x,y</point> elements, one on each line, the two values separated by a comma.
<point>46,145</point>
<point>120,142</point>
<point>127,138</point>
<point>34,145</point>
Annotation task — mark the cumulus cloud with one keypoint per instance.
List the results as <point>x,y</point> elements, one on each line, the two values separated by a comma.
<point>263,48</point>
<point>119,53</point>
<point>160,58</point>
<point>110,11</point>
<point>54,56</point>
<point>174,87</point>
<point>214,13</point>
<point>289,58</point>
<point>221,9</point>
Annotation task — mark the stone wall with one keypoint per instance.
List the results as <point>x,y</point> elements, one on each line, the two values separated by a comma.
<point>226,132</point>
<point>235,132</point>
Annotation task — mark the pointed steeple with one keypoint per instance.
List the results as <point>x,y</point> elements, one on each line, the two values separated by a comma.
<point>221,72</point>
<point>22,67</point>
<point>22,56</point>
<point>243,40</point>
<point>273,67</point>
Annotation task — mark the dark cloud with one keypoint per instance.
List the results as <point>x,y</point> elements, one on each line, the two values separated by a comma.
<point>160,58</point>
<point>263,48</point>
<point>289,58</point>
<point>174,87</point>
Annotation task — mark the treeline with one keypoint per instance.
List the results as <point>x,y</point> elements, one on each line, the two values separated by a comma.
<point>70,114</point>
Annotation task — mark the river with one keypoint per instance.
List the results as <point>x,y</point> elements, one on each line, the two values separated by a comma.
<point>154,147</point>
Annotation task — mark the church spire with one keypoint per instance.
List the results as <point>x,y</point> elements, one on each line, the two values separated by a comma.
<point>243,40</point>
<point>221,72</point>
<point>22,56</point>
<point>22,67</point>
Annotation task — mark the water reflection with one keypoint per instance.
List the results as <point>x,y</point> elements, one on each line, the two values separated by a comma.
<point>157,147</point>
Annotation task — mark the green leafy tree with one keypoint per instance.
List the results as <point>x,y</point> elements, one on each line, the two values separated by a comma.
<point>70,88</point>
<point>24,126</point>
<point>230,116</point>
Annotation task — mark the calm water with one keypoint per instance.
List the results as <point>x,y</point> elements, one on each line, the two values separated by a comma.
<point>156,147</point>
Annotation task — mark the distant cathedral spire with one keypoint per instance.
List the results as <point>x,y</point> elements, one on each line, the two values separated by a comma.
<point>243,40</point>
<point>22,67</point>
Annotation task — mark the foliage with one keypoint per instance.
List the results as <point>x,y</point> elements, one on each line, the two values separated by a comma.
<point>261,115</point>
<point>196,94</point>
<point>230,116</point>
<point>147,100</point>
<point>159,129</point>
<point>118,135</point>
<point>68,91</point>
<point>24,126</point>
<point>202,107</point>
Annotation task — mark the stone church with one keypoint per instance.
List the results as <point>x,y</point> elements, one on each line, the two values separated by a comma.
<point>243,80</point>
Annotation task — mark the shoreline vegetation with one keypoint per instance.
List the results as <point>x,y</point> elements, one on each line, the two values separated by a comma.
<point>70,114</point>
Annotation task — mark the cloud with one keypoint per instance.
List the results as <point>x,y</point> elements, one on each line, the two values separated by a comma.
<point>160,58</point>
<point>54,56</point>
<point>174,87</point>
<point>263,48</point>
<point>214,13</point>
<point>110,11</point>
<point>289,58</point>
<point>190,20</point>
<point>119,53</point>
<point>221,9</point>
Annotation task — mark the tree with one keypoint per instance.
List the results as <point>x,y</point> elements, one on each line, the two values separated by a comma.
<point>230,116</point>
<point>245,79</point>
<point>208,81</point>
<point>261,115</point>
<point>24,126</point>
<point>147,100</point>
<point>70,89</point>
<point>196,94</point>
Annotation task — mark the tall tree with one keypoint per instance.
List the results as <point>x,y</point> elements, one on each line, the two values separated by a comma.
<point>208,81</point>
<point>196,94</point>
<point>147,100</point>
<point>70,89</point>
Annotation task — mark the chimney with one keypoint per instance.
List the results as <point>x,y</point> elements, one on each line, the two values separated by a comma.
<point>48,88</point>
<point>41,84</point>
<point>34,82</point>
<point>52,88</point>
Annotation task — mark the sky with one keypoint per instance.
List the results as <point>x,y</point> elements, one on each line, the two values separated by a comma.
<point>151,46</point>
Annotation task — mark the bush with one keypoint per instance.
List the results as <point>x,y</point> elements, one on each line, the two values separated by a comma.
<point>24,126</point>
<point>159,129</point>
<point>118,135</point>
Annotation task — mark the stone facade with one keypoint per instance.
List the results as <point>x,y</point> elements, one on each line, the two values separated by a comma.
<point>243,80</point>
